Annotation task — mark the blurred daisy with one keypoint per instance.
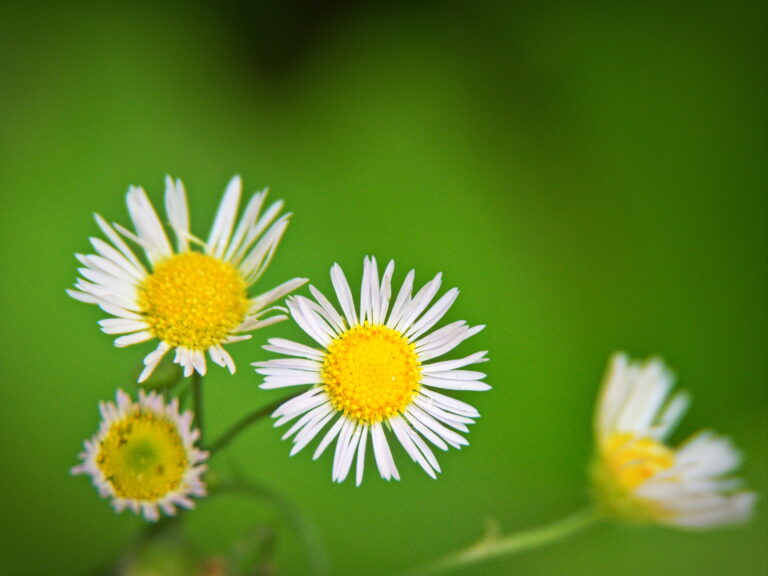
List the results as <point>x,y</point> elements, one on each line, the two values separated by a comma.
<point>191,301</point>
<point>638,478</point>
<point>144,456</point>
<point>372,373</point>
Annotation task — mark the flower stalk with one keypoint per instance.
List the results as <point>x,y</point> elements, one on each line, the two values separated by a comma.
<point>493,545</point>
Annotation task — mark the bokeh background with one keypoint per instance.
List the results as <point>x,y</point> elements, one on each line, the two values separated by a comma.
<point>592,176</point>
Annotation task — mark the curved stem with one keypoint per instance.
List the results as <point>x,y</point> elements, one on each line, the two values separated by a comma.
<point>493,545</point>
<point>302,527</point>
<point>197,404</point>
<point>242,424</point>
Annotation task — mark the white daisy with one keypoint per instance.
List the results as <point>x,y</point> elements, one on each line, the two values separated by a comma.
<point>144,456</point>
<point>371,375</point>
<point>638,478</point>
<point>193,301</point>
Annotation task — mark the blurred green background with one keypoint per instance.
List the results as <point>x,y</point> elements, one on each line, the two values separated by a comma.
<point>591,175</point>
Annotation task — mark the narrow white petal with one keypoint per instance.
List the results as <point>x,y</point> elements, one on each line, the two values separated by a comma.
<point>398,427</point>
<point>447,384</point>
<point>433,315</point>
<point>402,301</point>
<point>331,314</point>
<point>385,293</point>
<point>344,294</point>
<point>361,455</point>
<point>178,212</point>
<point>268,298</point>
<point>317,412</point>
<point>328,438</point>
<point>290,363</point>
<point>273,382</point>
<point>312,428</point>
<point>379,447</point>
<point>309,321</point>
<point>259,258</point>
<point>426,432</point>
<point>118,258</point>
<point>256,230</point>
<point>152,360</point>
<point>149,230</point>
<point>299,405</point>
<point>218,240</point>
<point>419,303</point>
<point>446,434</point>
<point>431,397</point>
<point>475,358</point>
<point>290,348</point>
<point>428,348</point>
<point>114,237</point>
<point>246,224</point>
<point>348,456</point>
<point>342,444</point>
<point>133,339</point>
<point>122,326</point>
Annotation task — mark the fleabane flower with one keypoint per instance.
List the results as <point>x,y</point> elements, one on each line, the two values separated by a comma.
<point>372,374</point>
<point>144,456</point>
<point>638,477</point>
<point>193,301</point>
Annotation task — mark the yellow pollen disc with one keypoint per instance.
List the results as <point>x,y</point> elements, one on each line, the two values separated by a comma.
<point>371,373</point>
<point>631,460</point>
<point>193,300</point>
<point>143,457</point>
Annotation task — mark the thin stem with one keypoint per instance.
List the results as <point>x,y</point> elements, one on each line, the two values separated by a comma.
<point>197,404</point>
<point>493,545</point>
<point>242,424</point>
<point>293,516</point>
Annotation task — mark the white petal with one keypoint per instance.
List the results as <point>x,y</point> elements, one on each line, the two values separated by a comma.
<point>344,295</point>
<point>149,230</point>
<point>221,230</point>
<point>447,384</point>
<point>178,212</point>
<point>133,339</point>
<point>361,455</point>
<point>329,436</point>
<point>290,348</point>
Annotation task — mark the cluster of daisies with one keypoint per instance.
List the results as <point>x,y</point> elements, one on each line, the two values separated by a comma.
<point>371,373</point>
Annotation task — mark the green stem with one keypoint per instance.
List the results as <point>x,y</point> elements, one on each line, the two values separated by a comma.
<point>242,424</point>
<point>493,545</point>
<point>300,525</point>
<point>197,404</point>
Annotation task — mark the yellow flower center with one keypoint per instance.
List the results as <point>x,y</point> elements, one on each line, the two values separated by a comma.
<point>632,461</point>
<point>371,372</point>
<point>193,300</point>
<point>143,457</point>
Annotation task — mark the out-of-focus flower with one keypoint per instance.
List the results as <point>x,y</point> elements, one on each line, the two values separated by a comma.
<point>144,456</point>
<point>191,301</point>
<point>638,477</point>
<point>372,375</point>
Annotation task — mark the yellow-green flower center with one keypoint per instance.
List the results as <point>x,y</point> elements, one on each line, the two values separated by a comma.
<point>626,462</point>
<point>143,457</point>
<point>371,373</point>
<point>632,461</point>
<point>193,300</point>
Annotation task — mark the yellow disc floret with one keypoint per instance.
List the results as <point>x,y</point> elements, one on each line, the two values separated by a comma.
<point>371,373</point>
<point>193,300</point>
<point>632,460</point>
<point>625,463</point>
<point>142,456</point>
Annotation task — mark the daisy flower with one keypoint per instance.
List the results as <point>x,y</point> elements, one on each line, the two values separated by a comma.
<point>372,373</point>
<point>144,456</point>
<point>191,301</point>
<point>638,477</point>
